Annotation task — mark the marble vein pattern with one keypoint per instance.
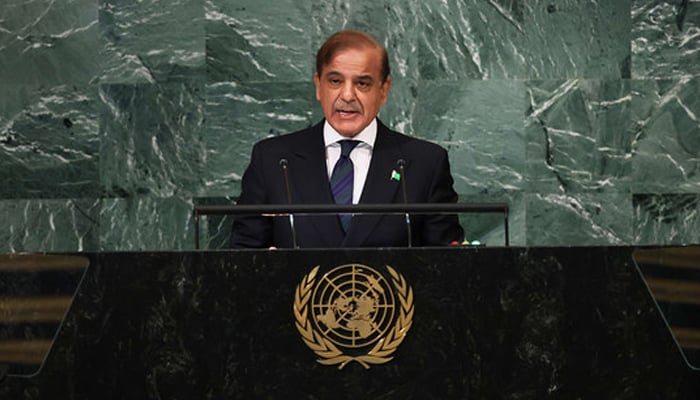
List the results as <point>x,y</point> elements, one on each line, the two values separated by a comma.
<point>665,39</point>
<point>151,41</point>
<point>666,129</point>
<point>49,147</point>
<point>52,225</point>
<point>47,42</point>
<point>572,111</point>
<point>667,218</point>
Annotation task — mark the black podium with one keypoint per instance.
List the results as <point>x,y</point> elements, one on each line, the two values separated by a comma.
<point>449,323</point>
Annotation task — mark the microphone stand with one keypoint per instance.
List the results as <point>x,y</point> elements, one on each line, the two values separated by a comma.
<point>283,164</point>
<point>402,171</point>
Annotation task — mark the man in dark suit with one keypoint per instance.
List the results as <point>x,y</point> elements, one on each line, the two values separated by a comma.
<point>349,157</point>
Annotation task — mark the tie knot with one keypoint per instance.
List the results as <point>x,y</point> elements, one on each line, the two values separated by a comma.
<point>346,146</point>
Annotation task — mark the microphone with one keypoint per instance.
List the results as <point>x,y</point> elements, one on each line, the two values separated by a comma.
<point>284,164</point>
<point>401,165</point>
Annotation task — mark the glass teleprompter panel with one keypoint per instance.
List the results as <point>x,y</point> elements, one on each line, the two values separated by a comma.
<point>36,291</point>
<point>673,278</point>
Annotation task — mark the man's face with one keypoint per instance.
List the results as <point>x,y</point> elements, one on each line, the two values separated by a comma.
<point>351,90</point>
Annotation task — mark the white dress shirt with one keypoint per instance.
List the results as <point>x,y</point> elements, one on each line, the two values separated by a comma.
<point>361,155</point>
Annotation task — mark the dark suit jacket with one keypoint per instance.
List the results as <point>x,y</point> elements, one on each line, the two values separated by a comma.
<point>427,175</point>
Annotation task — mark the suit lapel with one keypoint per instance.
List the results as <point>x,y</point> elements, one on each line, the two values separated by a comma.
<point>309,173</point>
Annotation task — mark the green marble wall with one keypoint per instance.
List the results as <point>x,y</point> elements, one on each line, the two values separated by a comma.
<point>117,116</point>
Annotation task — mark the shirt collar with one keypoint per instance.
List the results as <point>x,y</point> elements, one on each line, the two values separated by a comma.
<point>366,136</point>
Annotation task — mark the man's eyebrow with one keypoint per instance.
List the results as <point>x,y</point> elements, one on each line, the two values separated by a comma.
<point>333,74</point>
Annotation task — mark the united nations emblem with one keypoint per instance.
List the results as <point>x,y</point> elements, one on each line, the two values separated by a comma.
<point>353,313</point>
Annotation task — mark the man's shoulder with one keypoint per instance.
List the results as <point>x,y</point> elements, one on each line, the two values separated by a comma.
<point>287,139</point>
<point>412,144</point>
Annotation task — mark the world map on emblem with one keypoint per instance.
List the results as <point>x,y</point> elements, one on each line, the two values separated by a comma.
<point>353,305</point>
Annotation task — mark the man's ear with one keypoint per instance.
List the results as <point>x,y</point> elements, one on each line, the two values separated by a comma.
<point>317,83</point>
<point>385,89</point>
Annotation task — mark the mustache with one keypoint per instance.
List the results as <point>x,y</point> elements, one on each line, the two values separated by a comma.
<point>347,106</point>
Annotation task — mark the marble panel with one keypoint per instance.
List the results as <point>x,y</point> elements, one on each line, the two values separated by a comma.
<point>489,228</point>
<point>151,139</point>
<point>666,218</point>
<point>519,40</point>
<point>486,148</point>
<point>252,41</point>
<point>150,41</point>
<point>665,38</point>
<point>214,230</point>
<point>49,142</point>
<point>666,130</point>
<point>394,25</point>
<point>47,42</point>
<point>455,39</point>
<point>146,223</point>
<point>238,116</point>
<point>577,135</point>
<point>583,219</point>
<point>401,103</point>
<point>57,225</point>
<point>527,97</point>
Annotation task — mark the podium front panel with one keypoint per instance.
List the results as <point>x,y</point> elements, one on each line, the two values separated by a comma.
<point>478,323</point>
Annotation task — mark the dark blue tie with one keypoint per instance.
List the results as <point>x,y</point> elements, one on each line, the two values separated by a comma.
<point>342,179</point>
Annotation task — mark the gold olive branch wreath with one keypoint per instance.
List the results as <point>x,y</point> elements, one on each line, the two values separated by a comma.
<point>329,352</point>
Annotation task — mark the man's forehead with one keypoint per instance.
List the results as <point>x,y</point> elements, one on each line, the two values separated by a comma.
<point>369,64</point>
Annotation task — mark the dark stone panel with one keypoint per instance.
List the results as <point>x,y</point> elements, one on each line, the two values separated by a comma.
<point>488,323</point>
